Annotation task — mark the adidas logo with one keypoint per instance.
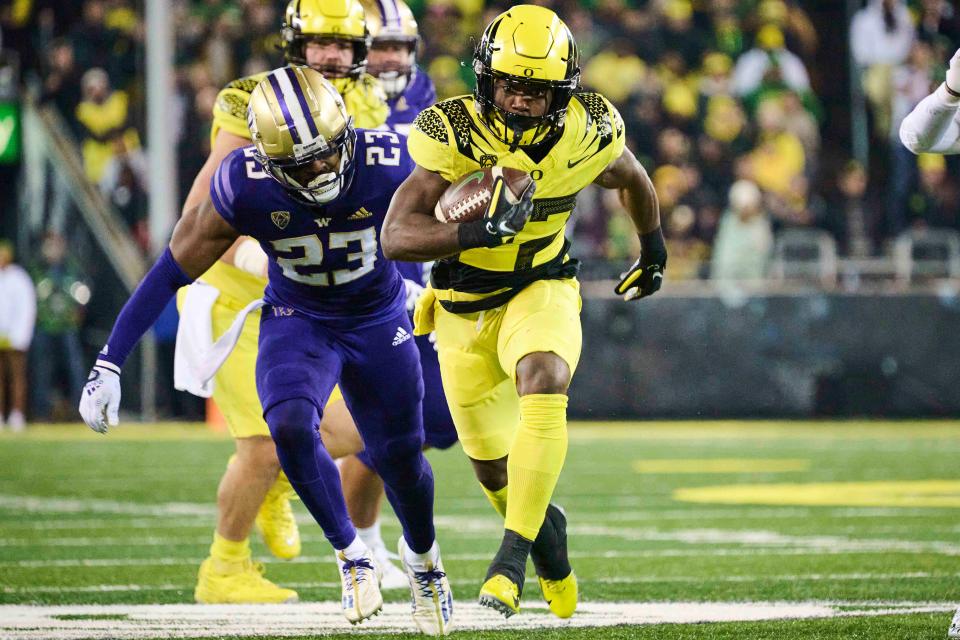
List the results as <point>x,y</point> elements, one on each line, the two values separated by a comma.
<point>401,337</point>
<point>360,214</point>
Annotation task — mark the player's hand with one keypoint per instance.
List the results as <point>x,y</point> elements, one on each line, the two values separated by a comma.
<point>645,276</point>
<point>502,220</point>
<point>414,291</point>
<point>953,73</point>
<point>100,399</point>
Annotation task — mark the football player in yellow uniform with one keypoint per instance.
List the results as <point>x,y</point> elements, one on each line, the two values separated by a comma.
<point>504,300</point>
<point>330,36</point>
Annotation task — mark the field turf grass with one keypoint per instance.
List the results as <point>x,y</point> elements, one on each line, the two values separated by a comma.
<point>675,532</point>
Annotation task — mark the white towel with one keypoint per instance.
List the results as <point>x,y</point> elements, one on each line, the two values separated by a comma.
<point>197,357</point>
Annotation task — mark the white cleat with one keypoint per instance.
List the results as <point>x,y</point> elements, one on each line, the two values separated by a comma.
<point>431,596</point>
<point>360,583</point>
<point>392,577</point>
<point>954,631</point>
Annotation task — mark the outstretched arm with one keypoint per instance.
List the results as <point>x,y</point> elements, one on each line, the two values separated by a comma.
<point>199,238</point>
<point>628,176</point>
<point>932,125</point>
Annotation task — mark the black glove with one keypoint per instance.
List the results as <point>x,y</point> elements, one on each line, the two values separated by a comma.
<point>646,275</point>
<point>502,220</point>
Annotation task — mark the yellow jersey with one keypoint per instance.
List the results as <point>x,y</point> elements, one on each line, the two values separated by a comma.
<point>365,101</point>
<point>364,98</point>
<point>451,139</point>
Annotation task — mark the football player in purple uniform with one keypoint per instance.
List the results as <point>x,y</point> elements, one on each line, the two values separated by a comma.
<point>313,191</point>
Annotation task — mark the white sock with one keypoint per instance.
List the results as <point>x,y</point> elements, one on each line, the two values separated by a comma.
<point>419,561</point>
<point>17,420</point>
<point>371,535</point>
<point>355,550</point>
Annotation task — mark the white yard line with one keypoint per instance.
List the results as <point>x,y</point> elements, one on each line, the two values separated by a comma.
<point>659,579</point>
<point>133,622</point>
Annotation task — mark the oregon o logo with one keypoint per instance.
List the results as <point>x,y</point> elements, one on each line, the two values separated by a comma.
<point>536,174</point>
<point>528,72</point>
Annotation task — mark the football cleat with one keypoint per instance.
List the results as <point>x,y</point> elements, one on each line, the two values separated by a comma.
<point>502,594</point>
<point>360,587</point>
<point>431,595</point>
<point>954,631</point>
<point>276,522</point>
<point>392,577</point>
<point>246,585</point>
<point>561,595</point>
<point>549,555</point>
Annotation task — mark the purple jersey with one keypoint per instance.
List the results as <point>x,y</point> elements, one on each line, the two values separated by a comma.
<point>325,260</point>
<point>418,95</point>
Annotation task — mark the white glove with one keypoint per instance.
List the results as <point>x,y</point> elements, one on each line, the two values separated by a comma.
<point>100,399</point>
<point>414,290</point>
<point>953,73</point>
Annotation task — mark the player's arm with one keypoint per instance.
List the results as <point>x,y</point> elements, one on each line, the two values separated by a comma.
<point>932,125</point>
<point>199,239</point>
<point>412,233</point>
<point>628,177</point>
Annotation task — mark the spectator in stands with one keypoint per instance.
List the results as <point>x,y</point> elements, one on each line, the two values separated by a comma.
<point>852,215</point>
<point>769,65</point>
<point>125,184</point>
<point>62,83</point>
<point>103,116</point>
<point>778,160</point>
<point>688,253</point>
<point>881,35</point>
<point>17,316</point>
<point>934,203</point>
<point>616,71</point>
<point>744,239</point>
<point>58,361</point>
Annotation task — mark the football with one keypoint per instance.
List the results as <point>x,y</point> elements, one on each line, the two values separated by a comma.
<point>467,199</point>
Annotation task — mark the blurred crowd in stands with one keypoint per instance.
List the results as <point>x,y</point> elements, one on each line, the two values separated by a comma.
<point>712,92</point>
<point>720,100</point>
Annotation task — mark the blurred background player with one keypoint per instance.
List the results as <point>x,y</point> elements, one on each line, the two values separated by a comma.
<point>330,36</point>
<point>331,310</point>
<point>393,61</point>
<point>934,127</point>
<point>18,314</point>
<point>504,300</point>
<point>409,90</point>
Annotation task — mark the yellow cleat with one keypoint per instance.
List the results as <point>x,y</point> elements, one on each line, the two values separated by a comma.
<point>276,523</point>
<point>502,594</point>
<point>242,583</point>
<point>561,595</point>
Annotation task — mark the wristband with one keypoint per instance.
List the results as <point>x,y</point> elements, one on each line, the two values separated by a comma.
<point>652,243</point>
<point>951,91</point>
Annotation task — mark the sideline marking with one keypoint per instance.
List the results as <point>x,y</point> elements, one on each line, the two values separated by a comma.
<point>911,493</point>
<point>132,622</point>
<point>721,465</point>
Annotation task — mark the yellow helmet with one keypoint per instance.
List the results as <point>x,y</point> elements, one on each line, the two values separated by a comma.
<point>391,22</point>
<point>337,20</point>
<point>296,117</point>
<point>530,46</point>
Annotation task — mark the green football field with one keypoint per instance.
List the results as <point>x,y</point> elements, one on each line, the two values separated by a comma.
<point>677,530</point>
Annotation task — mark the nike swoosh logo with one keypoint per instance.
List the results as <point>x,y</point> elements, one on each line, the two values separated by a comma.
<point>572,163</point>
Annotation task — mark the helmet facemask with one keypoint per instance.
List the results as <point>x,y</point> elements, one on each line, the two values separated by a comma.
<point>395,76</point>
<point>319,188</point>
<point>295,52</point>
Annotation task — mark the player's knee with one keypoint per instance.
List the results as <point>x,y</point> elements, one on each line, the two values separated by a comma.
<point>258,454</point>
<point>293,424</point>
<point>397,457</point>
<point>492,474</point>
<point>542,372</point>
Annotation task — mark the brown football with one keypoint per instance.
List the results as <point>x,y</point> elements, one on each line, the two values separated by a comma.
<point>467,199</point>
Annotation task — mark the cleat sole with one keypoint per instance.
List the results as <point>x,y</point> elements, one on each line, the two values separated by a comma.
<point>497,605</point>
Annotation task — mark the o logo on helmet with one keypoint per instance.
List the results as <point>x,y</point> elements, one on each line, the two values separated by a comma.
<point>528,72</point>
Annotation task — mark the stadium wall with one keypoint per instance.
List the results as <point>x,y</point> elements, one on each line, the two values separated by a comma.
<point>770,356</point>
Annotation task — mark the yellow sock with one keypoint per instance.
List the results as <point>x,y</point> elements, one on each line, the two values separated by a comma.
<point>229,555</point>
<point>498,499</point>
<point>535,461</point>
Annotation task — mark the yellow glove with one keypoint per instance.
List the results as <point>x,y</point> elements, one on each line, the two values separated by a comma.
<point>423,312</point>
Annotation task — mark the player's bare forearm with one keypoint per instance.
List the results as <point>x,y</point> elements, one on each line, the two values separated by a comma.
<point>200,238</point>
<point>628,176</point>
<point>410,231</point>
